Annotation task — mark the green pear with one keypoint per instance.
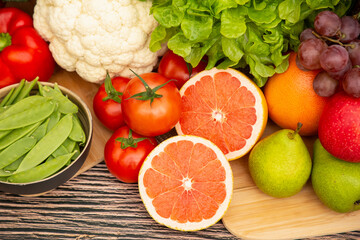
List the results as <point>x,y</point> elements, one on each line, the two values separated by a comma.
<point>280,164</point>
<point>336,182</point>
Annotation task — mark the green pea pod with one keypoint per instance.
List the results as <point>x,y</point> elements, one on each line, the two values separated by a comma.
<point>69,145</point>
<point>4,133</point>
<point>48,144</point>
<point>7,97</point>
<point>16,150</point>
<point>41,171</point>
<point>53,120</point>
<point>4,108</point>
<point>65,105</point>
<point>60,151</point>
<point>13,166</point>
<point>23,105</point>
<point>25,91</point>
<point>16,92</point>
<point>40,132</point>
<point>56,87</point>
<point>76,151</point>
<point>16,134</point>
<point>5,173</point>
<point>28,117</point>
<point>77,133</point>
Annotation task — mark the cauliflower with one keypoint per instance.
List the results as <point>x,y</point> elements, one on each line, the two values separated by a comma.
<point>92,37</point>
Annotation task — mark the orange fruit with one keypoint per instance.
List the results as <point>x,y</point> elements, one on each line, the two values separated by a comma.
<point>186,183</point>
<point>291,99</point>
<point>225,107</point>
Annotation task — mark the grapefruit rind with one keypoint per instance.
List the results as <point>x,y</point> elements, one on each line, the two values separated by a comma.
<point>188,226</point>
<point>260,106</point>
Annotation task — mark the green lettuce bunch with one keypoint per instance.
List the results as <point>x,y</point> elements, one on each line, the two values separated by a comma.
<point>236,33</point>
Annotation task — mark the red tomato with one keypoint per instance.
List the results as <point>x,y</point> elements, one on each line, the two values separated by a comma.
<point>125,163</point>
<point>174,66</point>
<point>151,117</point>
<point>109,112</point>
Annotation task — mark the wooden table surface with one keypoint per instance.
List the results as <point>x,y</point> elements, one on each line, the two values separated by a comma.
<point>95,205</point>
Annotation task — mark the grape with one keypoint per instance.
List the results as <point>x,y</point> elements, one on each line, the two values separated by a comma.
<point>354,52</point>
<point>350,29</point>
<point>324,85</point>
<point>299,65</point>
<point>334,58</point>
<point>327,23</point>
<point>351,82</point>
<point>307,34</point>
<point>340,74</point>
<point>309,53</point>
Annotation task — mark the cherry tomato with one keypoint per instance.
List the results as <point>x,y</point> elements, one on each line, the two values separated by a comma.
<point>125,152</point>
<point>106,102</point>
<point>174,66</point>
<point>152,110</point>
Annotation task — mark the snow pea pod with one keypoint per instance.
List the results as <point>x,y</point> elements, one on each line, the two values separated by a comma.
<point>4,133</point>
<point>16,150</point>
<point>16,134</point>
<point>69,145</point>
<point>23,105</point>
<point>53,120</point>
<point>77,133</point>
<point>4,173</point>
<point>4,108</point>
<point>48,144</point>
<point>6,98</point>
<point>56,87</point>
<point>13,166</point>
<point>41,171</point>
<point>41,130</point>
<point>76,151</point>
<point>16,92</point>
<point>65,105</point>
<point>60,151</point>
<point>25,91</point>
<point>28,117</point>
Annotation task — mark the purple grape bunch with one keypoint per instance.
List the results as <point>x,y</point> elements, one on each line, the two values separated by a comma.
<point>333,47</point>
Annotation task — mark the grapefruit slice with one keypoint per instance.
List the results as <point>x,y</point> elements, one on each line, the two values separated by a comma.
<point>225,107</point>
<point>186,183</point>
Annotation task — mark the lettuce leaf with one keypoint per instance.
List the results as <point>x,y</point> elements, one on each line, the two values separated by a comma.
<point>237,33</point>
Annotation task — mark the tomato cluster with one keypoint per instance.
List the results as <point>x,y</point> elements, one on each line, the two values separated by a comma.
<point>138,110</point>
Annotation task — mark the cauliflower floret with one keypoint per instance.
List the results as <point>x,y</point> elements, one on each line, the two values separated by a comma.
<point>92,37</point>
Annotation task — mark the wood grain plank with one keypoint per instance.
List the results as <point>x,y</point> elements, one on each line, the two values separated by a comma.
<point>94,205</point>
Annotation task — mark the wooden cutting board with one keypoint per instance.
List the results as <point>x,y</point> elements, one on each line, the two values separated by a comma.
<point>255,215</point>
<point>86,92</point>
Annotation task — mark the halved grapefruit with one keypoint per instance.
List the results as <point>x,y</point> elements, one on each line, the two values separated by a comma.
<point>186,183</point>
<point>225,107</point>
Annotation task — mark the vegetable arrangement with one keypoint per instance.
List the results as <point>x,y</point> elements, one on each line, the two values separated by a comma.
<point>23,53</point>
<point>236,33</point>
<point>39,134</point>
<point>136,110</point>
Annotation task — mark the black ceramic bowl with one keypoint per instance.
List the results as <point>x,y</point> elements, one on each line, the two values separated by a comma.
<point>49,183</point>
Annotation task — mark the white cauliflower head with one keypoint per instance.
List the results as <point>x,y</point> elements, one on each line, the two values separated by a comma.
<point>95,36</point>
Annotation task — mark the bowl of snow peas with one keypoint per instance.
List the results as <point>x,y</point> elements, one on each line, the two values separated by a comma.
<point>45,136</point>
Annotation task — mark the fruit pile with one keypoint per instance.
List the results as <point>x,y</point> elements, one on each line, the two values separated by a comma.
<point>186,181</point>
<point>334,48</point>
<point>321,90</point>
